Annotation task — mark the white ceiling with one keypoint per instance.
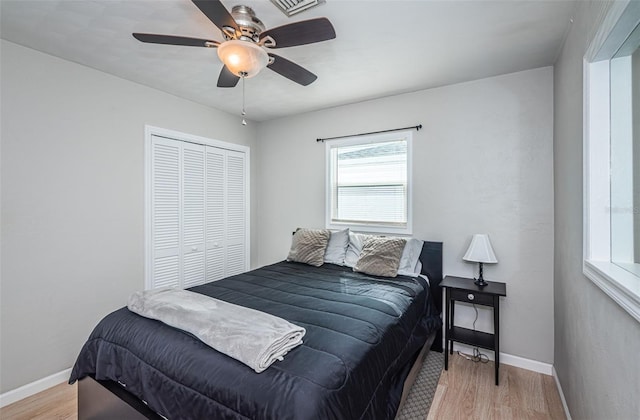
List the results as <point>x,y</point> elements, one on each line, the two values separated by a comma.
<point>382,47</point>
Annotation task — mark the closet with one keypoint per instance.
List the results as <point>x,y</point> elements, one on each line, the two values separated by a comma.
<point>197,215</point>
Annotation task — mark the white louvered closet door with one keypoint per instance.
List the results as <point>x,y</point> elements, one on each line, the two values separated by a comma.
<point>235,213</point>
<point>193,214</point>
<point>215,229</point>
<point>198,214</point>
<point>165,212</point>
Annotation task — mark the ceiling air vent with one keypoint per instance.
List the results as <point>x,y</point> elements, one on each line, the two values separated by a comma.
<point>291,7</point>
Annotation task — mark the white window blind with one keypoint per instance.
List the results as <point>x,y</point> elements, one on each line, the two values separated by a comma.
<point>368,183</point>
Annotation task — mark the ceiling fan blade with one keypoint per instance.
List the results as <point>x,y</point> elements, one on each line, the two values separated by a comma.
<point>226,78</point>
<point>301,33</point>
<point>291,70</point>
<point>175,40</point>
<point>217,13</point>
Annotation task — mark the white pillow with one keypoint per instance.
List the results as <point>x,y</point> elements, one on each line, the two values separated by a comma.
<point>356,240</point>
<point>410,258</point>
<point>419,270</point>
<point>337,247</point>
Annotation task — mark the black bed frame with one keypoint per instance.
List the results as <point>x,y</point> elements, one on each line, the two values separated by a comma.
<point>106,400</point>
<point>431,258</point>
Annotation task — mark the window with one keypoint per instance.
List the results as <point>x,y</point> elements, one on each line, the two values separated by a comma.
<point>368,183</point>
<point>612,157</point>
<point>624,85</point>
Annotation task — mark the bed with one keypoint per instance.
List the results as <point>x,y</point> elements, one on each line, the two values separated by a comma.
<point>365,340</point>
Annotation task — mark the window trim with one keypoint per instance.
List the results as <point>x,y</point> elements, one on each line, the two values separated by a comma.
<point>370,139</point>
<point>619,284</point>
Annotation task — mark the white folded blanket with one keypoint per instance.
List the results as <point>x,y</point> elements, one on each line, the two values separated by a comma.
<point>254,338</point>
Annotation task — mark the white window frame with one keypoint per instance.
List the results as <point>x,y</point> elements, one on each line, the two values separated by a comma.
<point>619,284</point>
<point>369,139</point>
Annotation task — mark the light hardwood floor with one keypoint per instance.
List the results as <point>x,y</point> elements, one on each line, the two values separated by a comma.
<point>468,391</point>
<point>465,391</point>
<point>59,402</point>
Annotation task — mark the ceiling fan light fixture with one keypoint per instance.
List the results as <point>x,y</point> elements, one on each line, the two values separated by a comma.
<point>243,57</point>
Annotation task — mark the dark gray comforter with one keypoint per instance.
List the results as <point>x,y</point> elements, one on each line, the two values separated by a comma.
<point>362,335</point>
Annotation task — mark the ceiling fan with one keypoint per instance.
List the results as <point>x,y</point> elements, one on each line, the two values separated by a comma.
<point>244,49</point>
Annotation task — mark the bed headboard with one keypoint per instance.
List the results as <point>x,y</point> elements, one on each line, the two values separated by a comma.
<point>431,258</point>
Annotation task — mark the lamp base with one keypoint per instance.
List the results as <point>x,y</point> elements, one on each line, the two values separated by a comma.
<point>480,280</point>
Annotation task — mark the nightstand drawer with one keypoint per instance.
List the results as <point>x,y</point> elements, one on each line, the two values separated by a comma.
<point>471,297</point>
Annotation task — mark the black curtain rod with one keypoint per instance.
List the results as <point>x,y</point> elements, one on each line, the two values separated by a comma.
<point>417,127</point>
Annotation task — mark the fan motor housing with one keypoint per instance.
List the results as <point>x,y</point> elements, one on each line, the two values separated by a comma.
<point>250,26</point>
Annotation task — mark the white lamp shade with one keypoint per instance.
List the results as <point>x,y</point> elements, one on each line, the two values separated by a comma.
<point>480,250</point>
<point>243,57</point>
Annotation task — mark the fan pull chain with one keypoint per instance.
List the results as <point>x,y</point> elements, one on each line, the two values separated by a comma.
<point>243,75</point>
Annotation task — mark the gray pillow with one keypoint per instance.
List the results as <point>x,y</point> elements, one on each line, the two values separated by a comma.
<point>380,256</point>
<point>308,246</point>
<point>337,247</point>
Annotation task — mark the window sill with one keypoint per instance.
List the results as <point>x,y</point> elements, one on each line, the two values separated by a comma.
<point>619,284</point>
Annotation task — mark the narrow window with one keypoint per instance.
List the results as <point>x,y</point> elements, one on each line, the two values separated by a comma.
<point>612,157</point>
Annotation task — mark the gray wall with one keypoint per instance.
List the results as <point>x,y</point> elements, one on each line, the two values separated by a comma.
<point>636,155</point>
<point>73,203</point>
<point>482,164</point>
<point>596,342</point>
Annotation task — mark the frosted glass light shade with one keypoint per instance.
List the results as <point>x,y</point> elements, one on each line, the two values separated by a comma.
<point>243,57</point>
<point>480,250</point>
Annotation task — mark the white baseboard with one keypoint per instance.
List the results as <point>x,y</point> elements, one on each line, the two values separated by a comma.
<point>511,360</point>
<point>564,401</point>
<point>34,387</point>
<point>521,362</point>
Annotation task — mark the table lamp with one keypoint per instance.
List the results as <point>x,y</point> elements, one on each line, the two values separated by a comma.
<point>480,251</point>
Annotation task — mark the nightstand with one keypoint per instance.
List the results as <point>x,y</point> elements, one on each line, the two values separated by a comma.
<point>460,289</point>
